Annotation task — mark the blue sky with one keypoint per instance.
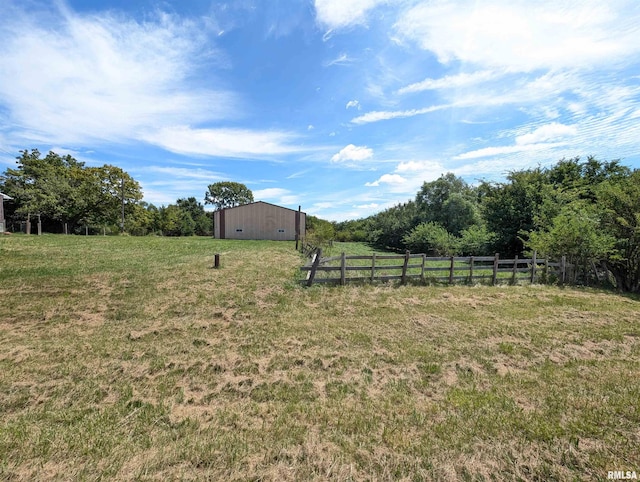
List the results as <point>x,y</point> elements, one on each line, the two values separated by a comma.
<point>344,107</point>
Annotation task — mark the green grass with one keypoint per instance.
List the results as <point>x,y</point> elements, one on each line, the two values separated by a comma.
<point>131,358</point>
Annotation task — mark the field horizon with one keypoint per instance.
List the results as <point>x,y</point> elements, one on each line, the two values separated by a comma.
<point>130,358</point>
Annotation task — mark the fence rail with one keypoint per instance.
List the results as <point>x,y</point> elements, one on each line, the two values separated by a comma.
<point>386,267</point>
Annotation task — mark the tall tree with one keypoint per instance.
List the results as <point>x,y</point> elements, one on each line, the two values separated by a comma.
<point>62,189</point>
<point>620,201</point>
<point>448,201</point>
<point>227,194</point>
<point>198,215</point>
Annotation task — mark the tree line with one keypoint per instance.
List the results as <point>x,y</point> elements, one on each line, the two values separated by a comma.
<point>65,195</point>
<point>587,210</point>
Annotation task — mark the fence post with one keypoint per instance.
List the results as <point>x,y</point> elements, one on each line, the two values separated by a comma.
<point>404,267</point>
<point>533,267</point>
<point>563,268</point>
<point>546,269</point>
<point>471,270</point>
<point>216,260</point>
<point>496,260</point>
<point>424,260</point>
<point>343,268</point>
<point>373,266</point>
<point>515,270</point>
<point>451,271</point>
<point>314,266</point>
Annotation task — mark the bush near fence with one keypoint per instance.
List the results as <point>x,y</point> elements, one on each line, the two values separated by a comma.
<point>470,269</point>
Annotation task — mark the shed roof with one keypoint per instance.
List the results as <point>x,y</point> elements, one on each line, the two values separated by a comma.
<point>4,196</point>
<point>262,202</point>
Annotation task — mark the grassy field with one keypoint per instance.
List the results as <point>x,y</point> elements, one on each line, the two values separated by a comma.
<point>131,359</point>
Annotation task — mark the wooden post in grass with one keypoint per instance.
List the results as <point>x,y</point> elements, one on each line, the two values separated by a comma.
<point>496,260</point>
<point>39,225</point>
<point>373,266</point>
<point>404,266</point>
<point>515,270</point>
<point>546,269</point>
<point>216,260</point>
<point>343,268</point>
<point>314,266</point>
<point>451,271</point>
<point>471,270</point>
<point>424,260</point>
<point>533,267</point>
<point>563,269</point>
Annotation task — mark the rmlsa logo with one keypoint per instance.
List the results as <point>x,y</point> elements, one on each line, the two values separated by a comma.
<point>622,475</point>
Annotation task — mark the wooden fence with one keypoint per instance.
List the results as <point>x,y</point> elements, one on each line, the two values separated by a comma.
<point>386,267</point>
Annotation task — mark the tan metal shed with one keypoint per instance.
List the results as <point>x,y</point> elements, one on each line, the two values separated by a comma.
<point>3,226</point>
<point>259,220</point>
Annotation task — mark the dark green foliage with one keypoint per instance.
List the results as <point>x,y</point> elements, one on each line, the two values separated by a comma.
<point>319,231</point>
<point>201,222</point>
<point>351,231</point>
<point>576,233</point>
<point>510,208</point>
<point>619,201</point>
<point>388,228</point>
<point>227,194</point>
<point>448,201</point>
<point>476,240</point>
<point>431,238</point>
<point>62,190</point>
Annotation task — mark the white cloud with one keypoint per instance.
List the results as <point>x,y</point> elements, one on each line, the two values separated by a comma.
<point>353,103</point>
<point>322,205</point>
<point>66,78</point>
<point>353,153</point>
<point>501,150</point>
<point>336,14</point>
<point>223,142</point>
<point>342,59</point>
<point>432,167</point>
<point>377,116</point>
<point>182,172</point>
<point>451,81</point>
<point>276,195</point>
<point>408,176</point>
<point>393,179</point>
<point>542,138</point>
<point>522,36</point>
<point>547,133</point>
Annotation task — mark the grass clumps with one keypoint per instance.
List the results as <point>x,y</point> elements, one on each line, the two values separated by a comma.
<point>130,358</point>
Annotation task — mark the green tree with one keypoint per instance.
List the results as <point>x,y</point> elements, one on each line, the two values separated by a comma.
<point>202,222</point>
<point>576,232</point>
<point>170,220</point>
<point>388,228</point>
<point>228,194</point>
<point>63,190</point>
<point>514,208</point>
<point>476,240</point>
<point>104,191</point>
<point>448,201</point>
<point>431,238</point>
<point>619,200</point>
<point>319,231</point>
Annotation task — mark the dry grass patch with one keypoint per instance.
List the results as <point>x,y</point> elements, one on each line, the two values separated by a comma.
<point>130,358</point>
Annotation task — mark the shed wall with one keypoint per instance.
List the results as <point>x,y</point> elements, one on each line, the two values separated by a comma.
<point>258,221</point>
